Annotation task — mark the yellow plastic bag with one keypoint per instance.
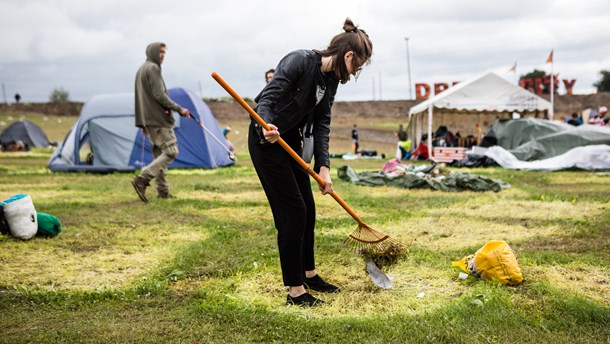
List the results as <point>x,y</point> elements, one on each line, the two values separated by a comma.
<point>494,261</point>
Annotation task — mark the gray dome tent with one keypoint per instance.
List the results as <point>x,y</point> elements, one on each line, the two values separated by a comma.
<point>25,131</point>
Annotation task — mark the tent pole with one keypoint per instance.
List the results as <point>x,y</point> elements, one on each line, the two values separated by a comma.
<point>420,127</point>
<point>430,131</point>
<point>411,131</point>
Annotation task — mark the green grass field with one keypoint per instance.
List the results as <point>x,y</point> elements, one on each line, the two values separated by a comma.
<point>204,267</point>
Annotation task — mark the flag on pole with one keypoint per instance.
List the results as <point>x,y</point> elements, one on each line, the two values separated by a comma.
<point>513,68</point>
<point>551,87</point>
<point>550,58</point>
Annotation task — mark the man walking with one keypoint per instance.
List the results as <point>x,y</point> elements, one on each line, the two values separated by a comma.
<point>154,116</point>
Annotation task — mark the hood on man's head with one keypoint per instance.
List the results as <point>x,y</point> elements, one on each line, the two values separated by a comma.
<point>152,52</point>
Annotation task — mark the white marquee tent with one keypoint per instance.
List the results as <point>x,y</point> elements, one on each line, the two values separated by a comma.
<point>486,93</point>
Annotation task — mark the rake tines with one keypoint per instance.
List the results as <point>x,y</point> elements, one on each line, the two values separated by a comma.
<point>367,239</point>
<point>375,246</point>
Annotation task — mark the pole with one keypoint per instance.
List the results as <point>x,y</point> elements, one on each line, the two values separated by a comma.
<point>4,93</point>
<point>552,112</point>
<point>373,88</point>
<point>200,89</point>
<point>409,69</point>
<point>430,131</point>
<point>516,76</point>
<point>380,86</point>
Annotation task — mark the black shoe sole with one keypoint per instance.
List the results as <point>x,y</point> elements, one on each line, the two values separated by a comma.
<point>294,301</point>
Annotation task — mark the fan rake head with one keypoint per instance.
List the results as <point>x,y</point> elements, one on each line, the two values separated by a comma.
<point>374,246</point>
<point>367,239</point>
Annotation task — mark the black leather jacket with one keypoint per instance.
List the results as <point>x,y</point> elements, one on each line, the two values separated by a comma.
<point>289,99</point>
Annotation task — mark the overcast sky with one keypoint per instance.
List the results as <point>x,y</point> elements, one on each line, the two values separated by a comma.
<point>95,47</point>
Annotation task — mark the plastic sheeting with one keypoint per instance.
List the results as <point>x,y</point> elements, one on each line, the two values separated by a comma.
<point>511,134</point>
<point>594,157</point>
<point>559,143</point>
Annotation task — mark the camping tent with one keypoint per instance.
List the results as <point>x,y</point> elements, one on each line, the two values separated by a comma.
<point>107,125</point>
<point>486,93</point>
<point>25,131</point>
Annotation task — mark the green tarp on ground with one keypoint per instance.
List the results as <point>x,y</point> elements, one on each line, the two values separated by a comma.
<point>453,182</point>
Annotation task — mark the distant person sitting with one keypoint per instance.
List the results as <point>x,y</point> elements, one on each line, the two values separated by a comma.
<point>225,133</point>
<point>421,152</point>
<point>574,120</point>
<point>269,75</point>
<point>16,146</point>
<point>403,147</point>
<point>443,137</point>
<point>601,117</point>
<point>597,118</point>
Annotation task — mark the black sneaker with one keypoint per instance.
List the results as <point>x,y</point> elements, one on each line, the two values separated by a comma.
<point>318,284</point>
<point>304,300</point>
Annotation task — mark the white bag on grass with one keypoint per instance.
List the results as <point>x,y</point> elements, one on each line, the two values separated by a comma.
<point>21,216</point>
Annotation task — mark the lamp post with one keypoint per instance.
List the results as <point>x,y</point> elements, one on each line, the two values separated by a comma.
<point>409,69</point>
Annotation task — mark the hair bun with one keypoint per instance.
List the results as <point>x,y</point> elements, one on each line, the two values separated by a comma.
<point>349,26</point>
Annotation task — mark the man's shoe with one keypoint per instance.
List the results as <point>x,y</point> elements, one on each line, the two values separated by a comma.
<point>304,300</point>
<point>318,284</point>
<point>139,184</point>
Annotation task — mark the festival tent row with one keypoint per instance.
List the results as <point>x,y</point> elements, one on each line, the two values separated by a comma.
<point>486,94</point>
<point>106,125</point>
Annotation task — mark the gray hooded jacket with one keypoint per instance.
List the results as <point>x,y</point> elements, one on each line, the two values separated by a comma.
<point>152,101</point>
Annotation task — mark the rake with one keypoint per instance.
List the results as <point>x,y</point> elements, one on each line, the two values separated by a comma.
<point>364,238</point>
<point>230,154</point>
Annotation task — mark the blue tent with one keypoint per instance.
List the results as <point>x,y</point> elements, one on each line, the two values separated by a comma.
<point>25,131</point>
<point>106,126</point>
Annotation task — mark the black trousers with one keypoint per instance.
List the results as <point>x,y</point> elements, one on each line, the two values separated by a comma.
<point>288,189</point>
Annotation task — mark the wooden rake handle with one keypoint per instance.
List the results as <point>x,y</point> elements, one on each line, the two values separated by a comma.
<point>284,145</point>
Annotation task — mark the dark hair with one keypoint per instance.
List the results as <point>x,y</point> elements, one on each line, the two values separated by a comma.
<point>354,40</point>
